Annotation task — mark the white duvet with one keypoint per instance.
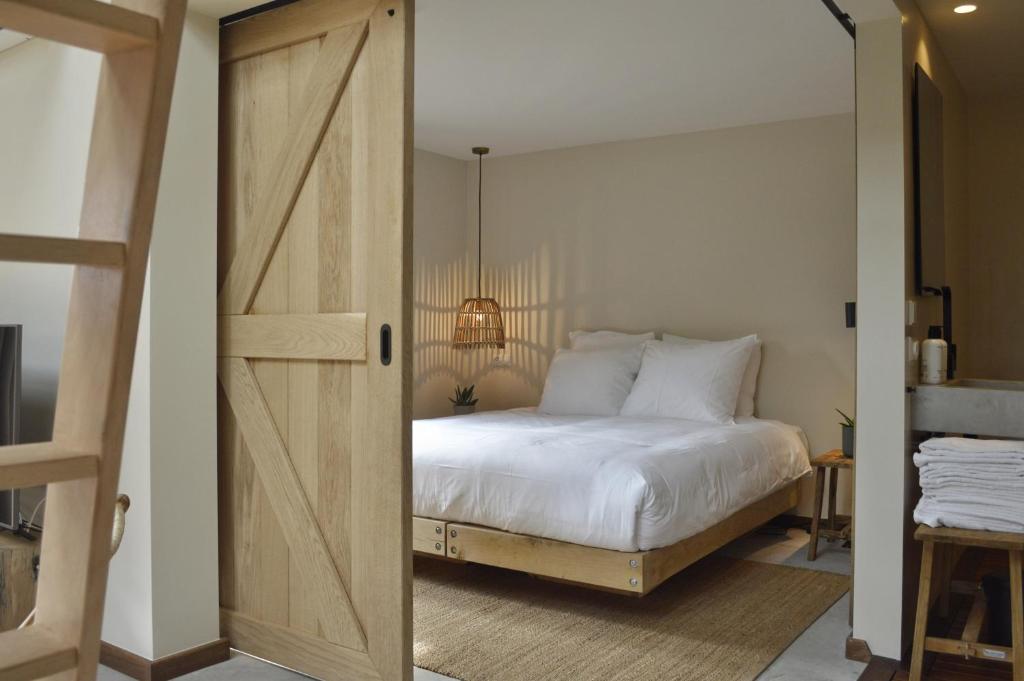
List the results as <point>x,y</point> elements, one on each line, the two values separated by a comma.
<point>612,482</point>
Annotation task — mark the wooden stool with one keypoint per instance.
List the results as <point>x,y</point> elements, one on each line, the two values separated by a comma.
<point>831,461</point>
<point>968,645</point>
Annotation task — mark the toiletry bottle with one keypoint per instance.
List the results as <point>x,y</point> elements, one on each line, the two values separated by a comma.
<point>912,366</point>
<point>933,357</point>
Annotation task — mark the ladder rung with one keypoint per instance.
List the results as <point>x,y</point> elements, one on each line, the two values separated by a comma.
<point>56,250</point>
<point>90,24</point>
<point>32,653</point>
<point>42,463</point>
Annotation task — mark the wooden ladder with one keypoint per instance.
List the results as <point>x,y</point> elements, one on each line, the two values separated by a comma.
<point>80,466</point>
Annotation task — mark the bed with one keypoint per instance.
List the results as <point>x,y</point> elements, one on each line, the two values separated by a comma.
<point>616,502</point>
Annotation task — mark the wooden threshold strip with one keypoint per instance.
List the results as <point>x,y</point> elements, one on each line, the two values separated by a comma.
<point>60,251</point>
<point>337,336</point>
<point>89,24</point>
<point>42,463</point>
<point>32,653</point>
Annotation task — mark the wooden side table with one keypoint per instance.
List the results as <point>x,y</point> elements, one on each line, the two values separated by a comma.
<point>830,461</point>
<point>17,579</point>
<point>969,645</point>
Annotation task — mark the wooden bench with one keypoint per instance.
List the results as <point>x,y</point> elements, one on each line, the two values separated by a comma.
<point>969,645</point>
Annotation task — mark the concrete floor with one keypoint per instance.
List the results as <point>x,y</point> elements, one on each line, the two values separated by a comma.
<point>817,655</point>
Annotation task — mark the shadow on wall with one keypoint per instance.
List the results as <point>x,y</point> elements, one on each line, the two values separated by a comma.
<point>436,368</point>
<point>534,294</point>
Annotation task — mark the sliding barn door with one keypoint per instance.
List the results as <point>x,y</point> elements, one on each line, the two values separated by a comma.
<point>314,337</point>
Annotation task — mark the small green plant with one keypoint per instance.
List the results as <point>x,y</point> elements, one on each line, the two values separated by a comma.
<point>464,396</point>
<point>847,421</point>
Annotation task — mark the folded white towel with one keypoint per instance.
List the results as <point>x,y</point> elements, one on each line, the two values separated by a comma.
<point>938,459</point>
<point>981,461</point>
<point>970,487</point>
<point>1003,502</point>
<point>939,476</point>
<point>974,469</point>
<point>971,484</point>
<point>948,514</point>
<point>951,446</point>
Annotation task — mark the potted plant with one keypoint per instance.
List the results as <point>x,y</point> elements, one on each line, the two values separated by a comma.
<point>848,425</point>
<point>463,402</point>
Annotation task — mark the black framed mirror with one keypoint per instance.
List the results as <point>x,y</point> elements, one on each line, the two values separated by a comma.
<point>929,186</point>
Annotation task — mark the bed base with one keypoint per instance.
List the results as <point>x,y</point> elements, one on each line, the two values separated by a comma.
<point>636,573</point>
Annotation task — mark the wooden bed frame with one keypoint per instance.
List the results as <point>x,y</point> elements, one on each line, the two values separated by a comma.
<point>636,573</point>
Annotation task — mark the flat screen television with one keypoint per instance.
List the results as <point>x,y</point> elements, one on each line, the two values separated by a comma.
<point>10,413</point>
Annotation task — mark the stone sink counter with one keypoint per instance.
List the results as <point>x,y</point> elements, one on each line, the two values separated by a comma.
<point>970,406</point>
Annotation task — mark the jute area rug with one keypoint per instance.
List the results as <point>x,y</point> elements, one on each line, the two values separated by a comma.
<point>719,620</point>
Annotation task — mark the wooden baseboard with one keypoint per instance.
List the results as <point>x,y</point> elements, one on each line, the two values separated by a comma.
<point>878,669</point>
<point>858,650</point>
<point>164,668</point>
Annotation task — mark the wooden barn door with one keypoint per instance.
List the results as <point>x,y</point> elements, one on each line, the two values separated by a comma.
<point>314,337</point>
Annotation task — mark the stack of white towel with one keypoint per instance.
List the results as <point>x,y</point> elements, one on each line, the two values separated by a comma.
<point>971,484</point>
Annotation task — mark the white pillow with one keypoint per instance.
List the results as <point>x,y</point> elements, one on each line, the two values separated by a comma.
<point>698,382</point>
<point>590,382</point>
<point>589,340</point>
<point>748,389</point>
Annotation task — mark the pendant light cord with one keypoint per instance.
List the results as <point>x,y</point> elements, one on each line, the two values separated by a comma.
<point>479,223</point>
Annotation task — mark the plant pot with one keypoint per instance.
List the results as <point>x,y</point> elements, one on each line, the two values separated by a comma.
<point>461,409</point>
<point>848,438</point>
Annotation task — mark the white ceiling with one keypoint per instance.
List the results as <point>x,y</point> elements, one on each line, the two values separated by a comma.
<point>528,75</point>
<point>986,47</point>
<point>9,39</point>
<point>541,74</point>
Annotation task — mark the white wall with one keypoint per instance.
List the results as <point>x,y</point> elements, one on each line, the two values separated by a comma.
<point>128,610</point>
<point>184,367</point>
<point>881,400</point>
<point>162,593</point>
<point>919,46</point>
<point>42,176</point>
<point>713,234</point>
<point>441,275</point>
<point>887,558</point>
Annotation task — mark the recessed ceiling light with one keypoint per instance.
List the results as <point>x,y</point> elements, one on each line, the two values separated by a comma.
<point>965,9</point>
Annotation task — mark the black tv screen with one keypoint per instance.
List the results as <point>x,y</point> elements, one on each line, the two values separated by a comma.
<point>10,413</point>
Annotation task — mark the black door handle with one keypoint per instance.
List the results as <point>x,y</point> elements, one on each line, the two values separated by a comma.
<point>385,344</point>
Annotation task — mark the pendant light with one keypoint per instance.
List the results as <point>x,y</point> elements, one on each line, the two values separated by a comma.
<point>478,324</point>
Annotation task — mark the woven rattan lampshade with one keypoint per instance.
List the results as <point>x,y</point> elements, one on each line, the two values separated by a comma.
<point>478,324</point>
